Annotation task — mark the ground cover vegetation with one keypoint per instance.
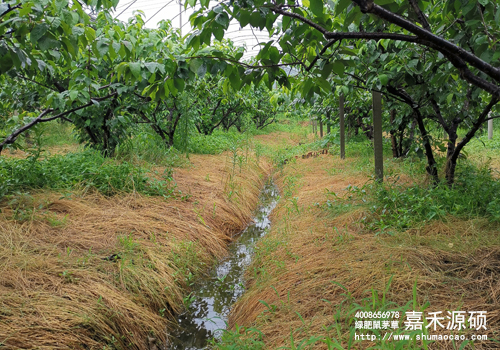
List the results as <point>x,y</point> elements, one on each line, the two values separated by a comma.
<point>98,118</point>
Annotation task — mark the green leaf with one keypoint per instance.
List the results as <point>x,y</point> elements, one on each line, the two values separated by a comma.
<point>38,32</point>
<point>449,98</point>
<point>6,62</point>
<point>317,7</point>
<point>135,68</point>
<point>274,55</point>
<point>341,6</point>
<point>324,84</point>
<point>234,79</point>
<point>102,47</point>
<point>222,19</point>
<point>244,18</point>
<point>90,33</point>
<point>151,66</point>
<point>256,20</point>
<point>218,33</point>
<point>384,79</point>
<point>179,84</point>
<point>73,94</point>
<point>47,42</point>
<point>195,64</point>
<point>338,68</point>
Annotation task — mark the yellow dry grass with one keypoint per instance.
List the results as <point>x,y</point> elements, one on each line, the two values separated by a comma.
<point>300,265</point>
<point>278,138</point>
<point>89,271</point>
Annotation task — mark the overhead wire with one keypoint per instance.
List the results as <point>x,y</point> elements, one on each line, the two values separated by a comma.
<point>133,2</point>
<point>249,35</point>
<point>150,18</point>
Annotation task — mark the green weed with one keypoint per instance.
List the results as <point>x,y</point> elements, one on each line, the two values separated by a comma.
<point>87,170</point>
<point>475,194</point>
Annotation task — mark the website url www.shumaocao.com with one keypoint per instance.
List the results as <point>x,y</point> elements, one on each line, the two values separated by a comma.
<point>391,336</point>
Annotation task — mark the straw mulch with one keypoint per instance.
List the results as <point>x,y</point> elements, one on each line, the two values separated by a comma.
<point>89,271</point>
<point>312,268</point>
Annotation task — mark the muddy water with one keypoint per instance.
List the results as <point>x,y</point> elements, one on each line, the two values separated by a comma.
<point>213,296</point>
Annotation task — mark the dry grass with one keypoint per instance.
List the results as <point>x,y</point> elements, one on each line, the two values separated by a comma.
<point>58,291</point>
<point>300,265</point>
<point>278,138</point>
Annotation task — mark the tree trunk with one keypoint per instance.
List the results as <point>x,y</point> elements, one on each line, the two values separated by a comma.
<point>431,162</point>
<point>328,126</point>
<point>451,162</point>
<point>394,141</point>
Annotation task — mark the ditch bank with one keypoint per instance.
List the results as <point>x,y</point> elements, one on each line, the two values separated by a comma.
<point>84,271</point>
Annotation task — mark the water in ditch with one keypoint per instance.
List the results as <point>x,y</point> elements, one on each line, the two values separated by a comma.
<point>213,296</point>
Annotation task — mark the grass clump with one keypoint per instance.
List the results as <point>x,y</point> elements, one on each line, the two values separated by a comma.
<point>216,143</point>
<point>87,170</point>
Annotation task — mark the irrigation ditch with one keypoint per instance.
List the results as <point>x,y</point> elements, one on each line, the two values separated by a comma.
<point>210,302</point>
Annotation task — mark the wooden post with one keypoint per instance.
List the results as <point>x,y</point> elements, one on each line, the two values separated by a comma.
<point>377,136</point>
<point>320,127</point>
<point>342,127</point>
<point>490,128</point>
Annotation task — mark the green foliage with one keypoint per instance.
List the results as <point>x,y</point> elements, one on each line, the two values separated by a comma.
<point>240,338</point>
<point>475,194</point>
<point>216,143</point>
<point>146,146</point>
<point>85,170</point>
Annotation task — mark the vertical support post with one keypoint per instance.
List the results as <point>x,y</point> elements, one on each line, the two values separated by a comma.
<point>342,126</point>
<point>490,128</point>
<point>320,127</point>
<point>180,16</point>
<point>377,136</point>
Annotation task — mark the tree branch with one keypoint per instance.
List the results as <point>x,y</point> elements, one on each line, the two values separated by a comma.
<point>475,127</point>
<point>11,8</point>
<point>35,82</point>
<point>421,17</point>
<point>13,136</point>
<point>322,52</point>
<point>427,38</point>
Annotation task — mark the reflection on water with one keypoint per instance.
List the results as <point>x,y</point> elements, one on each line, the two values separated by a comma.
<point>214,295</point>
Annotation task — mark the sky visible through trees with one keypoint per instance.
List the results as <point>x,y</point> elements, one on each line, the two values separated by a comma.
<point>158,10</point>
